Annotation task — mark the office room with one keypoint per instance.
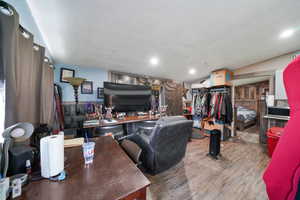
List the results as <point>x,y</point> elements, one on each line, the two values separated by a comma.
<point>149,100</point>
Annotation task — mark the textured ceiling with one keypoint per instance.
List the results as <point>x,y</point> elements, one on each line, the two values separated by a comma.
<point>201,34</point>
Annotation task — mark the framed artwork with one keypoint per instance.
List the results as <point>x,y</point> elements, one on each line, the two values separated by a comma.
<point>64,73</point>
<point>100,93</point>
<point>87,87</point>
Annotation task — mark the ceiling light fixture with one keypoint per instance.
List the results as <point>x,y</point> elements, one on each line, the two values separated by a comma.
<point>154,61</point>
<point>286,33</point>
<point>192,71</point>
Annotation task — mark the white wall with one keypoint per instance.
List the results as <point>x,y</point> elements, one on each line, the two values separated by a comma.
<point>276,66</point>
<point>94,74</point>
<point>272,64</point>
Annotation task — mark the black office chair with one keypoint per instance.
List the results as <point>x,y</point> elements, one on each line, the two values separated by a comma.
<point>165,145</point>
<point>146,126</point>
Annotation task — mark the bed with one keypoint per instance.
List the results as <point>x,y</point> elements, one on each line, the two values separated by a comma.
<point>245,117</point>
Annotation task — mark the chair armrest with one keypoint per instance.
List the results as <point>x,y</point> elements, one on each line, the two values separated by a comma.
<point>126,137</point>
<point>132,149</point>
<point>143,141</point>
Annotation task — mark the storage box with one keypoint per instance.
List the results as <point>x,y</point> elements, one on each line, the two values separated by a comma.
<point>221,77</point>
<point>273,135</point>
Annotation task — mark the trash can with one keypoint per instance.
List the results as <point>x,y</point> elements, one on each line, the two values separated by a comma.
<point>215,143</point>
<point>273,135</point>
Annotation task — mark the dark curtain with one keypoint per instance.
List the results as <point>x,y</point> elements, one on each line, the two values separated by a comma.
<point>24,74</point>
<point>47,94</point>
<point>37,62</point>
<point>27,78</point>
<point>9,27</point>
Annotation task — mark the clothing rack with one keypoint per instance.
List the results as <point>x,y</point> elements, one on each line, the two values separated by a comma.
<point>221,89</point>
<point>224,89</point>
<point>199,90</point>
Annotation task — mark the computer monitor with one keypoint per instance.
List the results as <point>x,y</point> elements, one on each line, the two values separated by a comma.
<point>127,98</point>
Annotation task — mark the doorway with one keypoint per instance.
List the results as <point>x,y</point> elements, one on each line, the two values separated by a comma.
<point>249,105</point>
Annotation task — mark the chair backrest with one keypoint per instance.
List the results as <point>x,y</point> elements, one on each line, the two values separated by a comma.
<point>170,136</point>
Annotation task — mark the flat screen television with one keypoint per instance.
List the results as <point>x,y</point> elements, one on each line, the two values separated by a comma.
<point>127,98</point>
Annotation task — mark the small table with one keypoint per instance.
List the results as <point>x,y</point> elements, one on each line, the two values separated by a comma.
<point>111,176</point>
<point>125,122</point>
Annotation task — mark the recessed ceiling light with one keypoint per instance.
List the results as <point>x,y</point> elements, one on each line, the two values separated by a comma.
<point>154,61</point>
<point>192,71</point>
<point>287,33</point>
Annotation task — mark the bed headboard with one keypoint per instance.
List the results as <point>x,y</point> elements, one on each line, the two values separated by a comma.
<point>251,104</point>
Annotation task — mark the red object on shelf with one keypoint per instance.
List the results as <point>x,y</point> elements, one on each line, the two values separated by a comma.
<point>273,135</point>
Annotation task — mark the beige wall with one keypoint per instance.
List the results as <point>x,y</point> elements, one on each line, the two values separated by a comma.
<point>272,64</point>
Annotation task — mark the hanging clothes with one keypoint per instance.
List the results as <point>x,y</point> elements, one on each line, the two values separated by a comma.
<point>220,108</point>
<point>212,105</point>
<point>200,106</point>
<point>229,110</point>
<point>200,103</point>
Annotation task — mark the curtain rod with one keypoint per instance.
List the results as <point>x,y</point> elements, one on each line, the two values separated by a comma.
<point>4,5</point>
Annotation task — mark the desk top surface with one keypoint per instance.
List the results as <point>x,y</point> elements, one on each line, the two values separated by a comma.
<point>111,176</point>
<point>126,120</point>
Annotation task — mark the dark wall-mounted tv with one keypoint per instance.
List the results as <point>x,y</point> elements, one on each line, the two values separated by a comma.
<point>127,98</point>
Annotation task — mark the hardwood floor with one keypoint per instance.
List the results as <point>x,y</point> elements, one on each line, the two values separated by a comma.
<point>236,176</point>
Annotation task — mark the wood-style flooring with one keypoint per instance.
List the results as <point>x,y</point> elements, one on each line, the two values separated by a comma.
<point>236,176</point>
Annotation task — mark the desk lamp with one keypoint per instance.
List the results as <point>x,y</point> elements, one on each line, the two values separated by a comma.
<point>75,82</point>
<point>19,132</point>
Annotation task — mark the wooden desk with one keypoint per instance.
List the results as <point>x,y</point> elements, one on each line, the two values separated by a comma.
<point>126,120</point>
<point>112,176</point>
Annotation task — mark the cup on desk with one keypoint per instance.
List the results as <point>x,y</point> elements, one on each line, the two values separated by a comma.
<point>88,152</point>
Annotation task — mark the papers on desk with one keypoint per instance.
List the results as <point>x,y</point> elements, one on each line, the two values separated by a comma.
<point>110,122</point>
<point>96,122</point>
<point>73,142</point>
<point>142,113</point>
<point>91,122</point>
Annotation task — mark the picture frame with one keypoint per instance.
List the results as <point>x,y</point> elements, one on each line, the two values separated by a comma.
<point>100,93</point>
<point>87,87</point>
<point>64,73</point>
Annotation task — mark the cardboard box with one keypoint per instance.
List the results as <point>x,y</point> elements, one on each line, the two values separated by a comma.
<point>155,87</point>
<point>221,77</point>
<point>210,127</point>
